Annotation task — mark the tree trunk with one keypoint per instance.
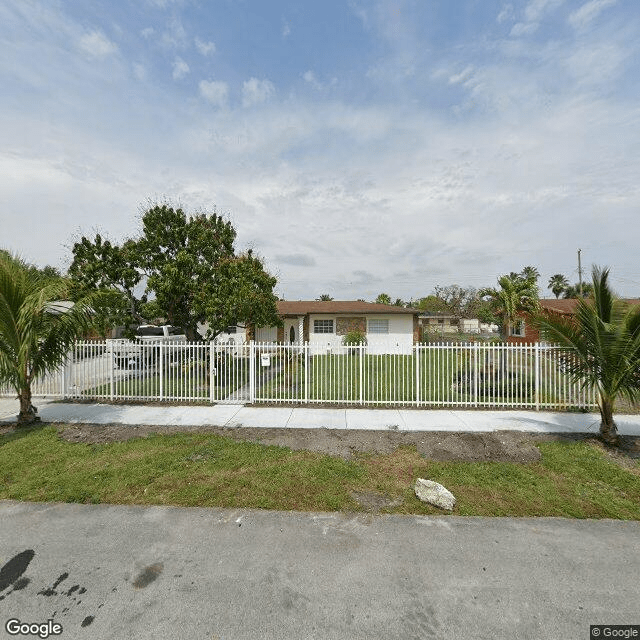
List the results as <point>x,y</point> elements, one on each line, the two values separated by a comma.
<point>608,428</point>
<point>28,412</point>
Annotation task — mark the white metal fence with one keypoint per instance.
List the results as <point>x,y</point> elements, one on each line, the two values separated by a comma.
<point>426,375</point>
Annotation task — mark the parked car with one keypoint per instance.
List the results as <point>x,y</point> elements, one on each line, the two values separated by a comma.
<point>133,353</point>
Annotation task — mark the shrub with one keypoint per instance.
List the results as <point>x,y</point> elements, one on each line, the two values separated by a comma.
<point>355,337</point>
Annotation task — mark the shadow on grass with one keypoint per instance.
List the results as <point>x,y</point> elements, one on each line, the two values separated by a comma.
<point>18,432</point>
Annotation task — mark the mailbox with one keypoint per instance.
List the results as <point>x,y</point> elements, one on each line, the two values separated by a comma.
<point>265,360</point>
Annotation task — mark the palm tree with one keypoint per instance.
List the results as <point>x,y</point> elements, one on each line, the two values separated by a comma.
<point>35,336</point>
<point>604,334</point>
<point>325,297</point>
<point>558,283</point>
<point>514,295</point>
<point>530,273</point>
<point>383,298</point>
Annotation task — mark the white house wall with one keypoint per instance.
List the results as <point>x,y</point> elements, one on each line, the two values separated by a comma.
<point>400,334</point>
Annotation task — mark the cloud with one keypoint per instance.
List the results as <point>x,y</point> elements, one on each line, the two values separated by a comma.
<point>297,260</point>
<point>147,32</point>
<point>205,48</point>
<point>180,69</point>
<point>214,92</point>
<point>505,14</point>
<point>534,13</point>
<point>97,45</point>
<point>175,35</point>
<point>523,29</point>
<point>462,76</point>
<point>140,71</point>
<point>256,91</point>
<point>286,30</point>
<point>580,18</point>
<point>310,78</point>
<point>536,9</point>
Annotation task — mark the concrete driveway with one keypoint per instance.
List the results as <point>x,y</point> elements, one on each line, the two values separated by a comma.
<point>159,572</point>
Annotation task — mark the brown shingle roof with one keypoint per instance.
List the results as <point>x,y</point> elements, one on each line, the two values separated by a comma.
<point>568,306</point>
<point>302,307</point>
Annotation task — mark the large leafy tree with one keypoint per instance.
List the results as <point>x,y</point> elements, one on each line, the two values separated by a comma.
<point>515,294</point>
<point>557,283</point>
<point>188,268</point>
<point>604,336</point>
<point>36,333</point>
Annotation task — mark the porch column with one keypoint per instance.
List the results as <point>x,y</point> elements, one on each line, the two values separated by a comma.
<point>300,330</point>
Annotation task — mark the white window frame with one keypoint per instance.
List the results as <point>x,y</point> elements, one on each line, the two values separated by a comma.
<point>378,326</point>
<point>518,329</point>
<point>321,326</point>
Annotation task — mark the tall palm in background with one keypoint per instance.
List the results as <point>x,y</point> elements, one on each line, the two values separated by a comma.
<point>35,333</point>
<point>604,334</point>
<point>557,283</point>
<point>514,295</point>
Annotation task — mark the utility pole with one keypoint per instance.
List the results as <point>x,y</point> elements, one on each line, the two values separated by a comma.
<point>580,273</point>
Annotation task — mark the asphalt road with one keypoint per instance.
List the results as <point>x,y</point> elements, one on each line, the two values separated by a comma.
<point>160,572</point>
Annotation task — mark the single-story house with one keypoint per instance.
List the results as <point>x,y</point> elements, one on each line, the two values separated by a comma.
<point>438,322</point>
<point>523,331</point>
<point>324,324</point>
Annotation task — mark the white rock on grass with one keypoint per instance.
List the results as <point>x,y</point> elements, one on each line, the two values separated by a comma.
<point>435,494</point>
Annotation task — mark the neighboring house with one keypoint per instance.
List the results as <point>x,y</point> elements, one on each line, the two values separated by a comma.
<point>438,322</point>
<point>441,323</point>
<point>325,323</point>
<point>523,331</point>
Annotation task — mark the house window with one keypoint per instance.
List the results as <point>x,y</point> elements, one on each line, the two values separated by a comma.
<point>323,326</point>
<point>518,329</point>
<point>378,326</point>
<point>233,329</point>
<point>440,320</point>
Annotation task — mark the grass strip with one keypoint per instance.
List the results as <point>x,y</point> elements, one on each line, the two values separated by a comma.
<point>572,479</point>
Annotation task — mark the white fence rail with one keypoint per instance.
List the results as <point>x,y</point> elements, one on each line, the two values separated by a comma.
<point>426,375</point>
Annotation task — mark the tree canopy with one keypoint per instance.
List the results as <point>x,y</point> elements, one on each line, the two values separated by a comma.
<point>558,283</point>
<point>383,298</point>
<point>187,270</point>
<point>516,293</point>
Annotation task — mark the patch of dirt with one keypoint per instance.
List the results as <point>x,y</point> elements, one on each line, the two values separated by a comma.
<point>374,502</point>
<point>502,446</point>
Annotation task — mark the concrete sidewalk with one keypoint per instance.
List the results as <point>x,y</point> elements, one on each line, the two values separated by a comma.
<point>228,415</point>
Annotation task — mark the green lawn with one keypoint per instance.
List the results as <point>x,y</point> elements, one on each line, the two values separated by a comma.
<point>179,383</point>
<point>444,377</point>
<point>572,479</point>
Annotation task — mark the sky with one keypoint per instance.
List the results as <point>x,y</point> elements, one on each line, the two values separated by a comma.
<point>358,146</point>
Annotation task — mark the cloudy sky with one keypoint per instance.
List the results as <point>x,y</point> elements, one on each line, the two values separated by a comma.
<point>359,146</point>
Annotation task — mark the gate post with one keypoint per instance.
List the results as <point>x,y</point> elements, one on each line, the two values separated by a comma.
<point>212,372</point>
<point>306,372</point>
<point>252,371</point>
<point>537,375</point>
<point>417,355</point>
<point>361,348</point>
<point>161,369</point>
<point>475,375</point>
<point>111,365</point>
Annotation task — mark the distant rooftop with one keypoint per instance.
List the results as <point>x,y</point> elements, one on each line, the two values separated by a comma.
<point>302,307</point>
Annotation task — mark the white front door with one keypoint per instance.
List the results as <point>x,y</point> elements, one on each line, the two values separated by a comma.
<point>291,331</point>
